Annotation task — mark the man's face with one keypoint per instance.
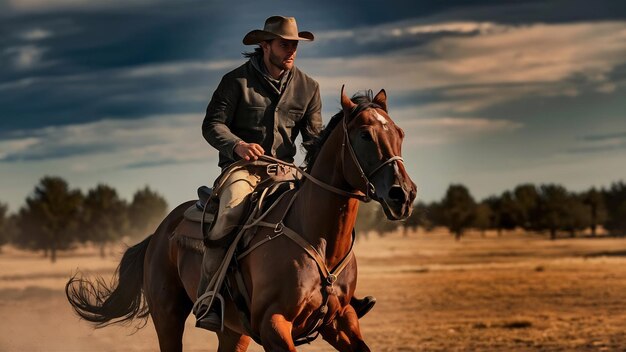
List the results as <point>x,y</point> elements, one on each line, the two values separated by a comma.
<point>281,53</point>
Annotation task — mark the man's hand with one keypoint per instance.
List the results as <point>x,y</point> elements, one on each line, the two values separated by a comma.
<point>249,151</point>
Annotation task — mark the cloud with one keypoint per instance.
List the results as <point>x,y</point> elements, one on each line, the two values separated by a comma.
<point>606,88</point>
<point>470,125</point>
<point>605,136</point>
<point>174,139</point>
<point>496,64</point>
<point>38,5</point>
<point>446,130</point>
<point>403,30</point>
<point>26,56</point>
<point>465,68</point>
<point>35,34</point>
<point>451,27</point>
<point>140,142</point>
<point>177,68</point>
<point>605,147</point>
<point>126,92</point>
<point>534,53</point>
<point>600,142</point>
<point>10,147</point>
<point>158,162</point>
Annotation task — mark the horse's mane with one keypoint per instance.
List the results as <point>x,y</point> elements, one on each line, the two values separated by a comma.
<point>362,100</point>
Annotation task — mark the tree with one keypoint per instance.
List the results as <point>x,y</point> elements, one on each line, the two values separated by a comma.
<point>553,202</point>
<point>506,211</point>
<point>433,216</point>
<point>416,219</point>
<point>104,216</point>
<point>4,220</point>
<point>597,209</point>
<point>366,219</point>
<point>618,226</point>
<point>146,211</point>
<point>483,217</point>
<point>577,215</point>
<point>382,225</point>
<point>458,210</point>
<point>49,219</point>
<point>615,200</point>
<point>527,199</point>
<point>493,202</point>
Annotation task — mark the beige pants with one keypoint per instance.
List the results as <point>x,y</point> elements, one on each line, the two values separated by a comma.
<point>236,188</point>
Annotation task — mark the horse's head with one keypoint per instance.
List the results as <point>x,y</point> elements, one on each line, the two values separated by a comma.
<point>372,150</point>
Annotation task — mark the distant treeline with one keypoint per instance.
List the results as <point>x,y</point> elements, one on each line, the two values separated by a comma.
<point>56,217</point>
<point>549,209</point>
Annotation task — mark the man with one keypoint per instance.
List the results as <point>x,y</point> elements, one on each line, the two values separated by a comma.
<point>258,109</point>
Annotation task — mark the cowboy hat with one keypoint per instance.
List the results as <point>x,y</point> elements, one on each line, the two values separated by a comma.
<point>277,27</point>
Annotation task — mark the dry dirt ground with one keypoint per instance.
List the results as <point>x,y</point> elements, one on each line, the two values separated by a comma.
<point>518,292</point>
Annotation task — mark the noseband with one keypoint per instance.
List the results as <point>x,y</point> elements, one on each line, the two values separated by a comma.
<point>370,190</point>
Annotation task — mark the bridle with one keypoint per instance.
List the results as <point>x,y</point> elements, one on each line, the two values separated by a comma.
<point>370,190</point>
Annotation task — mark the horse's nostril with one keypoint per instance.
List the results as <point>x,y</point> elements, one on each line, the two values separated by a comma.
<point>397,194</point>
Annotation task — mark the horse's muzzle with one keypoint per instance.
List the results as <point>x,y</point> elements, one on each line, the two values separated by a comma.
<point>398,202</point>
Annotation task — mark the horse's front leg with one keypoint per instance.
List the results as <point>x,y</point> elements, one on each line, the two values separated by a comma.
<point>275,332</point>
<point>344,332</point>
<point>231,341</point>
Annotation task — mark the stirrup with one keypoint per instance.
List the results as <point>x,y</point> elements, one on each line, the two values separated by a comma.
<point>207,300</point>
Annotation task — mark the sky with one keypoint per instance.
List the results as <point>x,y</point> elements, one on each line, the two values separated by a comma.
<point>491,94</point>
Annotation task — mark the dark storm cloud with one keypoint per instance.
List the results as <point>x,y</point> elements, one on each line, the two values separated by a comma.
<point>63,64</point>
<point>522,12</point>
<point>63,100</point>
<point>57,153</point>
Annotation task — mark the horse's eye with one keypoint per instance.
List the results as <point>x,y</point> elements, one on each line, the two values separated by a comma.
<point>365,135</point>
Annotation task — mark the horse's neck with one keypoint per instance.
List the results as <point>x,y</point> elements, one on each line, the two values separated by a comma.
<point>328,217</point>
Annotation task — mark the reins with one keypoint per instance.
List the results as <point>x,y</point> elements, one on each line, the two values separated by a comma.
<point>311,178</point>
<point>370,190</point>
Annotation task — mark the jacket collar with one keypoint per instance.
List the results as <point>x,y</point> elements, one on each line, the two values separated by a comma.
<point>278,85</point>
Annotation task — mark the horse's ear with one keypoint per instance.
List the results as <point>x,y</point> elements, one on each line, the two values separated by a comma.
<point>381,99</point>
<point>346,103</point>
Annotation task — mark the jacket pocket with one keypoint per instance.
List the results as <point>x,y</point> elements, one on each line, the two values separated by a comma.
<point>250,117</point>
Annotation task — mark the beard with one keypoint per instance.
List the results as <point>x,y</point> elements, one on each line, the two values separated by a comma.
<point>280,62</point>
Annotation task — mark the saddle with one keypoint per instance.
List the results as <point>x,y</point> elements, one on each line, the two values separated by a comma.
<point>276,180</point>
<point>205,208</point>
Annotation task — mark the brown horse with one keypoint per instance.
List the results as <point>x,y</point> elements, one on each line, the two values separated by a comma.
<point>287,287</point>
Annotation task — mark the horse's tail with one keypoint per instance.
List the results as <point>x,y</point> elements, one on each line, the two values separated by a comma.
<point>122,301</point>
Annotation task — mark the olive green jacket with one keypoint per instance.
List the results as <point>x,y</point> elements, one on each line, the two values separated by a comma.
<point>246,107</point>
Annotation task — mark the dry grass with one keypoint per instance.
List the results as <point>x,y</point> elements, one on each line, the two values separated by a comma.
<point>513,293</point>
